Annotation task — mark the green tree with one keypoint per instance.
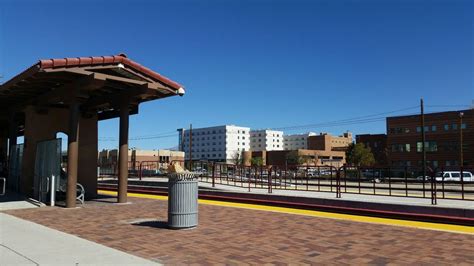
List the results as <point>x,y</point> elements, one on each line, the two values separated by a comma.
<point>237,158</point>
<point>256,161</point>
<point>293,157</point>
<point>359,155</point>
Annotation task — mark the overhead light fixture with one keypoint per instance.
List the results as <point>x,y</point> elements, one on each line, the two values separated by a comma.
<point>181,91</point>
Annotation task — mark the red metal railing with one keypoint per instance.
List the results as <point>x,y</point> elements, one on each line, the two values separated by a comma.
<point>384,181</point>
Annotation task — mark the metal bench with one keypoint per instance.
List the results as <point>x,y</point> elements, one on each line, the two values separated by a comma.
<point>80,191</point>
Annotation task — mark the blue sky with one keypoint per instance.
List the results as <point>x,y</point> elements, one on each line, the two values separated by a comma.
<point>262,64</point>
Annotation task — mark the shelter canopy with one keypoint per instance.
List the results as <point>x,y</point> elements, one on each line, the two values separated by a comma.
<point>99,83</point>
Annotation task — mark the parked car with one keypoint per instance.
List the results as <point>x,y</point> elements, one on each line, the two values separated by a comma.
<point>454,176</point>
<point>427,178</point>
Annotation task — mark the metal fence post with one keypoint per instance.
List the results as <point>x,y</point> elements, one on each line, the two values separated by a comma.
<point>338,183</point>
<point>270,180</point>
<point>433,188</point>
<point>140,171</point>
<point>389,181</point>
<point>213,175</point>
<point>462,180</point>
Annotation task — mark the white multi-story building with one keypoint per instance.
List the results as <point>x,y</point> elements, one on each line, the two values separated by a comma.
<point>266,140</point>
<point>297,141</point>
<point>219,143</point>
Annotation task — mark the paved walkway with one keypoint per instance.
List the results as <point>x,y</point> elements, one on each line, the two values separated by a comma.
<point>26,243</point>
<point>235,236</point>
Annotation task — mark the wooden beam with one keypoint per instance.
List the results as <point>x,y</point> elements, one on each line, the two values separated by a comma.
<point>120,66</point>
<point>25,74</point>
<point>65,92</point>
<point>115,99</point>
<point>115,113</point>
<point>82,71</point>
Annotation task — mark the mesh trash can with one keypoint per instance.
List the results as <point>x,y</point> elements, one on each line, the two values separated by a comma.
<point>182,200</point>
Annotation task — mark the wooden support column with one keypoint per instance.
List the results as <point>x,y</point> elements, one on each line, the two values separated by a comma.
<point>72,155</point>
<point>12,134</point>
<point>123,153</point>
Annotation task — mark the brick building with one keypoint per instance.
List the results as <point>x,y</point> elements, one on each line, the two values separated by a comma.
<point>323,149</point>
<point>377,143</point>
<point>326,142</point>
<point>442,143</point>
<point>163,157</point>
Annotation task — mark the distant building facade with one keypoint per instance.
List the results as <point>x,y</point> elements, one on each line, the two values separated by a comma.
<point>327,142</point>
<point>109,158</point>
<point>266,140</point>
<point>220,143</point>
<point>377,143</point>
<point>442,143</point>
<point>323,149</point>
<point>307,157</point>
<point>296,141</point>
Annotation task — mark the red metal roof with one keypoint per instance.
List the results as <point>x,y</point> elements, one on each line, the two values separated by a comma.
<point>105,60</point>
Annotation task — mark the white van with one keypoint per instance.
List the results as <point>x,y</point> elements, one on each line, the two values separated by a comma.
<point>454,176</point>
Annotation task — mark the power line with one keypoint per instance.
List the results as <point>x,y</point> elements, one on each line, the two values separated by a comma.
<point>449,105</point>
<point>359,119</point>
<point>140,138</point>
<point>343,122</point>
<point>377,117</point>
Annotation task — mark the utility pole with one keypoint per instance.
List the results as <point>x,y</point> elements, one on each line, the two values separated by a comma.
<point>423,140</point>
<point>461,155</point>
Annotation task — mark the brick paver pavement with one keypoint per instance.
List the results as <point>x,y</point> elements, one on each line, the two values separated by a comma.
<point>239,236</point>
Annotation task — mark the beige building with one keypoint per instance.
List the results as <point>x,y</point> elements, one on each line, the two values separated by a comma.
<point>323,149</point>
<point>327,142</point>
<point>162,157</point>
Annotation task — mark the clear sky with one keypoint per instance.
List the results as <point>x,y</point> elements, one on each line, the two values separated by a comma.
<point>261,64</point>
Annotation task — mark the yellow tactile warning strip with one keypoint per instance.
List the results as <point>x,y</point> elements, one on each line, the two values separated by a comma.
<point>356,218</point>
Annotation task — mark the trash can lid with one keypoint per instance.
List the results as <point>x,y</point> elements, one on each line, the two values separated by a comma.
<point>183,176</point>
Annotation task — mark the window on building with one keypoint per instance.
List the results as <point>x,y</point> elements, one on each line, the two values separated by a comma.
<point>452,163</point>
<point>455,126</point>
<point>463,126</point>
<point>418,129</point>
<point>401,147</point>
<point>433,128</point>
<point>430,146</point>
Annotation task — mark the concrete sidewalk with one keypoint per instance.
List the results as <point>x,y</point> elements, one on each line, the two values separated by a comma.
<point>26,243</point>
<point>13,201</point>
